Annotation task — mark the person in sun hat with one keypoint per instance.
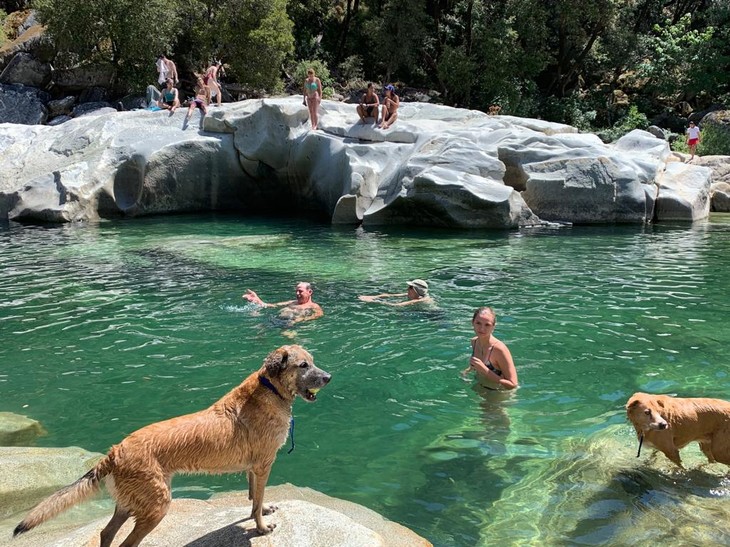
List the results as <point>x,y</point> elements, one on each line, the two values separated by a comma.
<point>417,293</point>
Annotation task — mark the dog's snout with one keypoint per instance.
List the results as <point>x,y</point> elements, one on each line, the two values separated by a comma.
<point>663,425</point>
<point>326,378</point>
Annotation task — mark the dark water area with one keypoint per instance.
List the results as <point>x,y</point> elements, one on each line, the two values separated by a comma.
<point>108,327</point>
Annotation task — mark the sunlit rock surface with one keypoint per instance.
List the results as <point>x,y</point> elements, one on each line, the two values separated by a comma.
<point>436,166</point>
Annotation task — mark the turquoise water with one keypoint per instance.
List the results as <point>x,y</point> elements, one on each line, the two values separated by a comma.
<point>106,328</point>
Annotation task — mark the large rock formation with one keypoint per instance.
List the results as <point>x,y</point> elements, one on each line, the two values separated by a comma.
<point>436,166</point>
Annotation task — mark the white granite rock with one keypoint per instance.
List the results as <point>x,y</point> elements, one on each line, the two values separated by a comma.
<point>684,193</point>
<point>436,166</point>
<point>17,430</point>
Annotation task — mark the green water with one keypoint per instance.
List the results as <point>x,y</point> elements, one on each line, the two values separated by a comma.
<point>106,328</point>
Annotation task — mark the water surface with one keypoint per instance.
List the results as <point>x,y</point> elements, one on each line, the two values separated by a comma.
<point>108,327</point>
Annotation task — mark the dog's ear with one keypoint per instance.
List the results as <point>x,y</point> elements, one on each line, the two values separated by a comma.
<point>632,404</point>
<point>276,361</point>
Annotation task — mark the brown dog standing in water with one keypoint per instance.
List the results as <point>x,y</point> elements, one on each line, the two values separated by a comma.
<point>670,423</point>
<point>242,431</point>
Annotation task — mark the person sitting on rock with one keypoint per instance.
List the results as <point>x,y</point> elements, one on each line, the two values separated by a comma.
<point>390,107</point>
<point>199,101</point>
<point>369,105</point>
<point>169,100</point>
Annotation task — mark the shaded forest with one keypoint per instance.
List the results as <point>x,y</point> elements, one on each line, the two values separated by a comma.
<point>598,65</point>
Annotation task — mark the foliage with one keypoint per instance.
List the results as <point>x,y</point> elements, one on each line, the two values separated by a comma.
<point>320,70</point>
<point>715,142</point>
<point>634,119</point>
<point>3,34</point>
<point>125,33</point>
<point>571,110</point>
<point>351,68</point>
<point>676,55</point>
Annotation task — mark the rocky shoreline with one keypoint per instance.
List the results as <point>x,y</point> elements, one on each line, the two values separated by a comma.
<point>438,166</point>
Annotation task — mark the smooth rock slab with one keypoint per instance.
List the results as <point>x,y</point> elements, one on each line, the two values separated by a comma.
<point>304,518</point>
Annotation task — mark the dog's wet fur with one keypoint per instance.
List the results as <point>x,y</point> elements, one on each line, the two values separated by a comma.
<point>671,423</point>
<point>241,432</point>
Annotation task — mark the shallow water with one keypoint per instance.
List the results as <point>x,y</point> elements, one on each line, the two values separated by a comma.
<point>109,327</point>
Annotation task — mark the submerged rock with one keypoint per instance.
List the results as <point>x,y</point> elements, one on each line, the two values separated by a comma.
<point>17,430</point>
<point>436,166</point>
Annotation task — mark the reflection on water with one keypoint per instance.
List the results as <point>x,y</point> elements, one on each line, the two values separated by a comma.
<point>108,327</point>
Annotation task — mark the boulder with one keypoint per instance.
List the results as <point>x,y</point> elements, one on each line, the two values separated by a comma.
<point>27,70</point>
<point>23,105</point>
<point>657,131</point>
<point>27,475</point>
<point>304,518</point>
<point>93,95</point>
<point>96,108</point>
<point>684,193</point>
<point>17,430</point>
<point>34,41</point>
<point>83,77</point>
<point>720,197</point>
<point>58,120</point>
<point>61,106</point>
<point>437,166</point>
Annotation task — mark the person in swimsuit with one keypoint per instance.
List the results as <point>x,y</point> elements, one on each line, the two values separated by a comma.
<point>417,293</point>
<point>490,357</point>
<point>390,107</point>
<point>369,105</point>
<point>169,100</point>
<point>211,80</point>
<point>303,308</point>
<point>312,96</point>
<point>200,101</point>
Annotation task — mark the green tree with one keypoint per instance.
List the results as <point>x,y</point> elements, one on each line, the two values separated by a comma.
<point>125,33</point>
<point>253,37</point>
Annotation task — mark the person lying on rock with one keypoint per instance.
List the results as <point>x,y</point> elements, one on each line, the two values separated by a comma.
<point>417,293</point>
<point>302,308</point>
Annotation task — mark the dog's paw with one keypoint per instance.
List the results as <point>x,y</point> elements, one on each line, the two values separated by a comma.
<point>267,529</point>
<point>269,509</point>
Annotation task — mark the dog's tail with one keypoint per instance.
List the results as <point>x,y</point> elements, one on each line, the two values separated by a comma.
<point>67,497</point>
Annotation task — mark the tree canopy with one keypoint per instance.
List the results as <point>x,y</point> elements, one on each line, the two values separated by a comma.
<point>580,62</point>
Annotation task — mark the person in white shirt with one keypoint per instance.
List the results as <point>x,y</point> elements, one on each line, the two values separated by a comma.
<point>693,138</point>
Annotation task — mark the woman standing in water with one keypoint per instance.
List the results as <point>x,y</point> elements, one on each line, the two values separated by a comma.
<point>312,96</point>
<point>490,357</point>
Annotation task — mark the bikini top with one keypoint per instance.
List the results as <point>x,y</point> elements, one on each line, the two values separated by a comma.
<point>488,364</point>
<point>312,85</point>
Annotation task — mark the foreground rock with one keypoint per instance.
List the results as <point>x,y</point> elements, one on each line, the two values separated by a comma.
<point>304,518</point>
<point>437,166</point>
<point>27,475</point>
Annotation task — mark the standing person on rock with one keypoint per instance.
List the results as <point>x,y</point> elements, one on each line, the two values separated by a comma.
<point>211,80</point>
<point>166,69</point>
<point>312,96</point>
<point>693,139</point>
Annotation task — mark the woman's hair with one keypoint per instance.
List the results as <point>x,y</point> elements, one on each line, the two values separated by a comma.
<point>484,310</point>
<point>310,71</point>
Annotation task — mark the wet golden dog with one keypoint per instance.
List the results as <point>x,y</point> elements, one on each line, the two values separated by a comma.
<point>670,423</point>
<point>242,431</point>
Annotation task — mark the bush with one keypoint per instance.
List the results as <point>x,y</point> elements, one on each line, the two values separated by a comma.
<point>321,70</point>
<point>632,120</point>
<point>715,142</point>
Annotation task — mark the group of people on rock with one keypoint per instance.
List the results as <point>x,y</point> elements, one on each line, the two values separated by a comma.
<point>207,87</point>
<point>369,107</point>
<point>490,359</point>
